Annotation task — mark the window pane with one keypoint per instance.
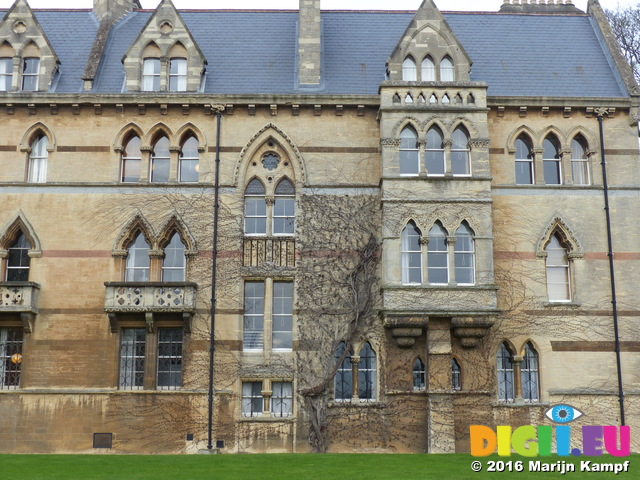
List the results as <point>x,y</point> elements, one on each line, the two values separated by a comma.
<point>253,315</point>
<point>6,73</point>
<point>11,342</point>
<point>428,70</point>
<point>18,260</point>
<point>409,73</point>
<point>174,262</point>
<point>524,172</point>
<point>169,358</point>
<point>138,262</point>
<point>367,373</point>
<point>30,70</point>
<point>505,375</point>
<point>551,172</point>
<point>252,400</point>
<point>189,161</point>
<point>446,70</point>
<point>343,380</point>
<point>151,75</point>
<point>411,252</point>
<point>281,399</point>
<point>178,74</point>
<point>282,315</point>
<point>419,375</point>
<point>132,353</point>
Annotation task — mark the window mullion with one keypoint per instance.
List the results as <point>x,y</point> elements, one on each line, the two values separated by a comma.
<point>150,359</point>
<point>268,314</point>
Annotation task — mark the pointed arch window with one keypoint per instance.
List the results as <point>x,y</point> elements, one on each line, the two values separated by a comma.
<point>460,165</point>
<point>557,266</point>
<point>18,260</point>
<point>409,154</point>
<point>434,152</point>
<point>367,373</point>
<point>151,75</point>
<point>38,159</point>
<point>284,208</point>
<point>505,374</point>
<point>138,261</point>
<point>160,160</point>
<point>409,70</point>
<point>255,209</point>
<point>174,264</point>
<point>6,74</point>
<point>437,256</point>
<point>131,160</point>
<point>551,161</point>
<point>524,161</point>
<point>419,375</point>
<point>464,255</point>
<point>428,70</point>
<point>411,255</point>
<point>178,74</point>
<point>580,161</point>
<point>343,382</point>
<point>456,375</point>
<point>530,374</point>
<point>189,161</point>
<point>30,72</point>
<point>447,73</point>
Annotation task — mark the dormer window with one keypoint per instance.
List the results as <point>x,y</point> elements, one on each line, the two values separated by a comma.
<point>178,74</point>
<point>6,74</point>
<point>30,70</point>
<point>151,75</point>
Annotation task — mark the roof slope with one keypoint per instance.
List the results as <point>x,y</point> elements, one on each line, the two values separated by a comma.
<point>516,55</point>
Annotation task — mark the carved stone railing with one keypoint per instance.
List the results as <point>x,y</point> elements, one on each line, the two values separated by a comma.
<point>20,298</point>
<point>281,251</point>
<point>150,298</point>
<point>123,297</point>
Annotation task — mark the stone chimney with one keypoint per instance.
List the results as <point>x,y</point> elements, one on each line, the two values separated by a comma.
<point>309,47</point>
<point>113,9</point>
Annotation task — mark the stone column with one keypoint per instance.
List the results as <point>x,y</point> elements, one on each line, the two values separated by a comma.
<point>440,393</point>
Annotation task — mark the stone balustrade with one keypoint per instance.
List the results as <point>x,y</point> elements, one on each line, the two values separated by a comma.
<point>122,297</point>
<point>19,297</point>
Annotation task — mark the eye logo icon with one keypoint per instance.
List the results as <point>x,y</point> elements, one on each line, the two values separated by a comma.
<point>563,413</point>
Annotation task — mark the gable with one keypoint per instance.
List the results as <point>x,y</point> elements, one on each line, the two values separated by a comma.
<point>429,36</point>
<point>164,36</point>
<point>21,32</point>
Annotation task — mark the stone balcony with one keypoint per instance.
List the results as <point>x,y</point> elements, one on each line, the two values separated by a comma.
<point>150,298</point>
<point>21,299</point>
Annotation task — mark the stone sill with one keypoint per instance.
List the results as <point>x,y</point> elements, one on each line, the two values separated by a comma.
<point>424,176</point>
<point>561,304</point>
<point>520,404</point>
<point>267,419</point>
<point>356,404</point>
<point>99,391</point>
<point>396,286</point>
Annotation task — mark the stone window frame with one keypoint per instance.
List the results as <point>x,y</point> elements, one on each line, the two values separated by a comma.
<point>270,185</point>
<point>32,134</point>
<point>517,374</point>
<point>148,139</point>
<point>139,225</point>
<point>574,251</point>
<point>355,361</point>
<point>150,333</point>
<point>267,396</point>
<point>9,236</point>
<point>267,315</point>
<point>456,374</point>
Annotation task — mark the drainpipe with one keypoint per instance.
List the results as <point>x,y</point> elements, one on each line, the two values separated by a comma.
<point>216,207</point>
<point>601,112</point>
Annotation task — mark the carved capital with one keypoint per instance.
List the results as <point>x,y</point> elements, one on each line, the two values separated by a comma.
<point>269,200</point>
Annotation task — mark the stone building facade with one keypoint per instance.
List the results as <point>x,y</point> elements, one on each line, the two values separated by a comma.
<point>410,236</point>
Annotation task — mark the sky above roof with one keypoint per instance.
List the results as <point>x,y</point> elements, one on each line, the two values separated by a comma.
<point>445,5</point>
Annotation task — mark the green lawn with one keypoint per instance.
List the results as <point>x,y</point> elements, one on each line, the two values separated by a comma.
<point>276,466</point>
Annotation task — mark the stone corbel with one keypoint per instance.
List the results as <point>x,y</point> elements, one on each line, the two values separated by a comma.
<point>28,320</point>
<point>148,319</point>
<point>406,337</point>
<point>471,329</point>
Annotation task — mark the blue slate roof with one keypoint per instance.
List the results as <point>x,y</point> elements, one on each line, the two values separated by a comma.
<point>516,55</point>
